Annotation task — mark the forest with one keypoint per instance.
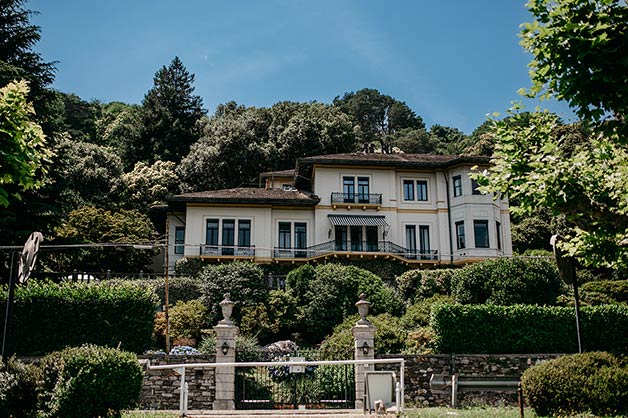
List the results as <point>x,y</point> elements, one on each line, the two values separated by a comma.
<point>100,167</point>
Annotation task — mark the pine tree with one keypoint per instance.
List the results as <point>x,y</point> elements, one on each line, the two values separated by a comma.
<point>171,115</point>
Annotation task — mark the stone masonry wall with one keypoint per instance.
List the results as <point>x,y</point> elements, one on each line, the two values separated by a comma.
<point>419,369</point>
<point>160,389</point>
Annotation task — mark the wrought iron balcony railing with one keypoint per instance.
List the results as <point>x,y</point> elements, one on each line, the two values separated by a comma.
<point>330,247</point>
<point>357,198</point>
<point>232,250</point>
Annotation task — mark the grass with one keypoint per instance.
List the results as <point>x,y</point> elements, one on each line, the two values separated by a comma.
<point>468,413</point>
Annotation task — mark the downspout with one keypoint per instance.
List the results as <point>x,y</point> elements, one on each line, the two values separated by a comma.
<point>451,244</point>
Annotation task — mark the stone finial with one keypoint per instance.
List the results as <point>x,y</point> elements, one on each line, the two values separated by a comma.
<point>227,308</point>
<point>363,310</point>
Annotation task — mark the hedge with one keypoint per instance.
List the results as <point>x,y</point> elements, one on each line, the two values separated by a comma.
<point>522,329</point>
<point>49,317</point>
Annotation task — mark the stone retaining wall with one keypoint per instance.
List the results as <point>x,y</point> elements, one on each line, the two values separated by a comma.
<point>419,369</point>
<point>160,389</point>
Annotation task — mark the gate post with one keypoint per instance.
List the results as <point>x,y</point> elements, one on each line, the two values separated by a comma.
<point>226,333</point>
<point>364,348</point>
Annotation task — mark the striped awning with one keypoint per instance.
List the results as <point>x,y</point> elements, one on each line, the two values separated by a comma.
<point>358,220</point>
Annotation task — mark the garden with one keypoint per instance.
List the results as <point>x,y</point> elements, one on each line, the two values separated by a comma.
<point>496,306</point>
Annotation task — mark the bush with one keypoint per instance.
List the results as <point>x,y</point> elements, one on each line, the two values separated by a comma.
<point>298,281</point>
<point>389,337</point>
<point>243,280</point>
<point>89,381</point>
<point>590,382</point>
<point>48,317</point>
<point>507,281</point>
<point>415,285</point>
<point>247,347</point>
<point>273,320</point>
<point>604,292</point>
<point>418,315</point>
<point>188,266</point>
<point>332,295</point>
<point>187,319</point>
<point>18,391</point>
<point>420,341</point>
<point>528,328</point>
<point>180,289</point>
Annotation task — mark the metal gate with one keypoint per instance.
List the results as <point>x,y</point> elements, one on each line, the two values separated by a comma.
<point>293,387</point>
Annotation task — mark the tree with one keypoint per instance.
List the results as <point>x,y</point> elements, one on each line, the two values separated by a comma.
<point>376,116</point>
<point>91,225</point>
<point>146,185</point>
<point>87,174</point>
<point>581,171</point>
<point>79,117</point>
<point>239,143</point>
<point>18,61</point>
<point>170,116</point>
<point>23,152</point>
<point>119,127</point>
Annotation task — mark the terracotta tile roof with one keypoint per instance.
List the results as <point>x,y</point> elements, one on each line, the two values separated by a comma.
<point>393,160</point>
<point>409,161</point>
<point>248,195</point>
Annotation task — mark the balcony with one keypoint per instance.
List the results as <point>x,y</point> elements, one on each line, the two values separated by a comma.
<point>361,247</point>
<point>356,198</point>
<point>226,250</point>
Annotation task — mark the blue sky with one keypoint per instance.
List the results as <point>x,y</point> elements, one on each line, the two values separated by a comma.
<point>451,61</point>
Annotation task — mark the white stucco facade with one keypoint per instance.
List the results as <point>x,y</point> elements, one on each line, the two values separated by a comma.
<point>351,207</point>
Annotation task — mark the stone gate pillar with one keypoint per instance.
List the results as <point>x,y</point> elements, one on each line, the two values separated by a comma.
<point>226,333</point>
<point>364,348</point>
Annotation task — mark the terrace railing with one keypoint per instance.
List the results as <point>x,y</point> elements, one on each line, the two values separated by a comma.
<point>357,198</point>
<point>227,250</point>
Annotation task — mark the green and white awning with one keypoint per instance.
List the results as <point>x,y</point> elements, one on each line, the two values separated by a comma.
<point>357,220</point>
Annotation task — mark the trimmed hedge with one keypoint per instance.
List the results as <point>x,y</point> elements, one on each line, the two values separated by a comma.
<point>507,281</point>
<point>49,317</point>
<point>594,382</point>
<point>522,329</point>
<point>89,381</point>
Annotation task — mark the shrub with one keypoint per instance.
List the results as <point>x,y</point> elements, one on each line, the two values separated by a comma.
<point>389,337</point>
<point>415,285</point>
<point>420,341</point>
<point>528,328</point>
<point>332,295</point>
<point>604,292</point>
<point>243,280</point>
<point>590,382</point>
<point>275,319</point>
<point>247,347</point>
<point>89,381</point>
<point>418,315</point>
<point>507,281</point>
<point>18,391</point>
<point>180,289</point>
<point>298,281</point>
<point>187,319</point>
<point>48,317</point>
<point>188,266</point>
